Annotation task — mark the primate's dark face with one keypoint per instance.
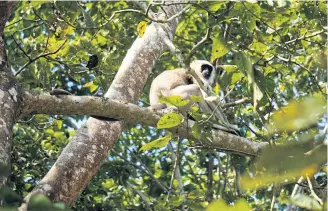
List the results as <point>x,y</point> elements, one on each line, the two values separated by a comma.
<point>206,71</point>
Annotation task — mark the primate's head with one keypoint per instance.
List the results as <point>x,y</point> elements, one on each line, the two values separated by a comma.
<point>204,69</point>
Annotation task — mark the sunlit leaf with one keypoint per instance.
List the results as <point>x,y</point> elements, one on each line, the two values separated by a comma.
<point>219,48</point>
<point>196,98</point>
<point>236,77</point>
<point>221,205</point>
<point>228,68</point>
<point>214,6</point>
<point>59,124</point>
<point>93,87</point>
<point>216,88</point>
<point>258,47</point>
<point>108,183</point>
<point>158,143</point>
<point>285,164</point>
<point>141,28</point>
<point>298,114</point>
<point>169,120</point>
<point>173,100</point>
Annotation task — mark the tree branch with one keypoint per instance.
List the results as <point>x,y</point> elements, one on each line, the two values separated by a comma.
<point>36,103</point>
<point>43,55</point>
<point>237,102</point>
<point>305,37</point>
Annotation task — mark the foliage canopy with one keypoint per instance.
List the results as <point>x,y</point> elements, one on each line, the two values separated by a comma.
<point>274,54</point>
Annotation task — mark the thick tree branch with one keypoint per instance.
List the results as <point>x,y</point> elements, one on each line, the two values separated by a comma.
<point>83,155</point>
<point>9,95</point>
<point>35,103</point>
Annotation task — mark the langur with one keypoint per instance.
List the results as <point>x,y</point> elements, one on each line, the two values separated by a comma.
<point>180,82</point>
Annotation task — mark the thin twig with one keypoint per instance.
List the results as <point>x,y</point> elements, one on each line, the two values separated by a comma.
<point>273,198</point>
<point>146,170</point>
<point>20,48</point>
<point>304,37</point>
<point>199,44</point>
<point>311,75</point>
<point>141,195</point>
<point>175,172</point>
<point>38,57</point>
<point>313,192</point>
<point>237,102</point>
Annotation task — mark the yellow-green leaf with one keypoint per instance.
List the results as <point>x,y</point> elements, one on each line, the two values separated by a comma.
<point>284,164</point>
<point>59,124</point>
<point>174,100</point>
<point>58,134</point>
<point>240,205</point>
<point>219,48</point>
<point>228,68</point>
<point>298,114</point>
<point>196,98</point>
<point>49,131</point>
<point>158,143</point>
<point>236,77</point>
<point>141,28</point>
<point>217,88</point>
<point>108,183</point>
<point>169,120</point>
<point>214,6</point>
<point>258,47</point>
<point>91,86</point>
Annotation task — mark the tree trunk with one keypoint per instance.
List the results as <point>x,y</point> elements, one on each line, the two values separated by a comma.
<point>10,96</point>
<point>83,156</point>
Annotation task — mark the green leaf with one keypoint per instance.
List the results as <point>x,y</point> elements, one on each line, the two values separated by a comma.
<point>59,124</point>
<point>221,205</point>
<point>169,120</point>
<point>109,183</point>
<point>88,20</point>
<point>196,131</point>
<point>258,47</point>
<point>9,196</point>
<point>285,163</point>
<point>60,206</point>
<point>214,6</point>
<point>196,98</point>
<point>236,77</point>
<point>298,114</point>
<point>158,143</point>
<point>173,100</point>
<point>219,48</point>
<point>229,68</point>
<point>39,202</point>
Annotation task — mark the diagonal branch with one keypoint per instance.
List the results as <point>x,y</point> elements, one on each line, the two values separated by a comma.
<point>84,154</point>
<point>43,55</point>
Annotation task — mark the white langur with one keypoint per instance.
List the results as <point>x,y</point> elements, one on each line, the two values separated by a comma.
<point>180,82</point>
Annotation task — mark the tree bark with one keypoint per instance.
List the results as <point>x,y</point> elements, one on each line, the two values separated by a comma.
<point>36,103</point>
<point>84,154</point>
<point>10,99</point>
